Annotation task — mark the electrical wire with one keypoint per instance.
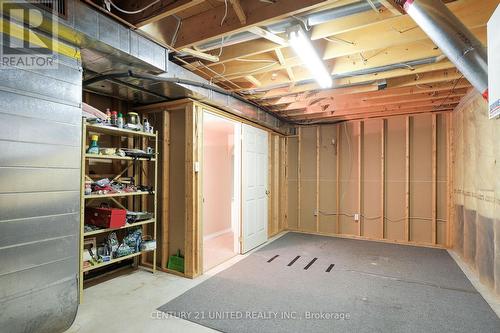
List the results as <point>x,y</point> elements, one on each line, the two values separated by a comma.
<point>225,14</point>
<point>451,92</point>
<point>379,217</point>
<point>133,11</point>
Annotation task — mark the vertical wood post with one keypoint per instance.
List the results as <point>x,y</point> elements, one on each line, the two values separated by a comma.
<point>360,176</point>
<point>165,192</point>
<point>298,178</point>
<point>337,209</point>
<point>434,178</point>
<point>317,175</point>
<point>382,179</point>
<point>407,180</point>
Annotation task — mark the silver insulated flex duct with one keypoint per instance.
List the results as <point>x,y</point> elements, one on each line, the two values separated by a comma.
<point>453,38</point>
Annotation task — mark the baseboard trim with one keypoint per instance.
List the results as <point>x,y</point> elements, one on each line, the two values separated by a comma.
<point>217,234</point>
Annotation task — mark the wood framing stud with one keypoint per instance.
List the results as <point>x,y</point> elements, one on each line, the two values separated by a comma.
<point>282,62</point>
<point>165,190</point>
<point>239,11</point>
<point>253,80</point>
<point>434,178</point>
<point>360,177</point>
<point>337,208</point>
<point>407,181</point>
<point>268,35</point>
<point>299,169</point>
<point>382,178</point>
<point>450,214</point>
<point>200,55</point>
<point>317,176</point>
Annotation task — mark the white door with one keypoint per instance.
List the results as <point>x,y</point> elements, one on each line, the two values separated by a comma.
<point>254,187</point>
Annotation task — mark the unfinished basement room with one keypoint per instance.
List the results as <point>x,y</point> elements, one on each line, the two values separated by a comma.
<point>249,166</point>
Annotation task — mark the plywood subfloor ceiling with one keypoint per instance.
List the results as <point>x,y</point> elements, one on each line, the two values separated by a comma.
<point>382,62</point>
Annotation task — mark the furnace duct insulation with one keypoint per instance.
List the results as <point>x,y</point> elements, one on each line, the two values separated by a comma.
<point>455,40</point>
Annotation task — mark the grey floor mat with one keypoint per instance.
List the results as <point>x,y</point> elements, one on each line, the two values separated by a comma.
<point>372,287</point>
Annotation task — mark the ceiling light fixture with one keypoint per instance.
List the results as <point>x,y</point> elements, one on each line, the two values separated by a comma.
<point>302,46</point>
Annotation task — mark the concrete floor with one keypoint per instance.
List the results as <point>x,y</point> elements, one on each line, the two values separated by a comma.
<point>128,303</point>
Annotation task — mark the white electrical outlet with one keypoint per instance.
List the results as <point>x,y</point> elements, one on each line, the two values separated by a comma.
<point>315,212</point>
<point>356,217</point>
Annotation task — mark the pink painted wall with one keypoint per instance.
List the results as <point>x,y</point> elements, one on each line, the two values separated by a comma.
<point>218,144</point>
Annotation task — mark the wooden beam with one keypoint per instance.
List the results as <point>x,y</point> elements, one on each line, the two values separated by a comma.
<point>450,209</point>
<point>347,64</point>
<point>207,25</point>
<point>311,87</point>
<point>314,112</point>
<point>299,176</point>
<point>402,29</point>
<point>337,207</point>
<point>282,62</point>
<point>393,7</point>
<point>253,80</point>
<point>302,73</point>
<point>360,176</point>
<point>200,55</point>
<point>161,11</point>
<point>289,95</point>
<point>434,178</point>
<point>239,11</point>
<point>268,35</point>
<point>357,116</point>
<point>407,180</point>
<point>350,23</point>
<point>382,177</point>
<point>165,190</point>
<point>432,77</point>
<point>357,101</point>
<point>317,176</point>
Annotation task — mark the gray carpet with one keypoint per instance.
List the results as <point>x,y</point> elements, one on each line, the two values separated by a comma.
<point>372,287</point>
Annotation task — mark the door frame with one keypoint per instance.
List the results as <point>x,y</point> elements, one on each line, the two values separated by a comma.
<point>237,177</point>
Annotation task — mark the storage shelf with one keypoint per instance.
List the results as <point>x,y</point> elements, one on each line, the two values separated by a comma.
<point>117,131</point>
<point>112,261</point>
<point>111,195</point>
<point>113,157</point>
<point>126,226</point>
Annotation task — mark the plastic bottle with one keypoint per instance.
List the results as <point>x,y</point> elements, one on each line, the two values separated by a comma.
<point>94,147</point>
<point>146,125</point>
<point>119,121</point>
<point>114,118</point>
<point>108,116</point>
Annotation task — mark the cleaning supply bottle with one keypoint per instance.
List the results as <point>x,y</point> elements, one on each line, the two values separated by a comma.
<point>119,121</point>
<point>145,125</point>
<point>94,147</point>
<point>114,118</point>
<point>108,116</point>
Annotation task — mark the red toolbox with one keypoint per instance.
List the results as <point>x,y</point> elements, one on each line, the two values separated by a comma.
<point>105,217</point>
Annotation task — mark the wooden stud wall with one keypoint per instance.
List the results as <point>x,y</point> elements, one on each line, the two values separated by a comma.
<point>393,172</point>
<point>180,206</point>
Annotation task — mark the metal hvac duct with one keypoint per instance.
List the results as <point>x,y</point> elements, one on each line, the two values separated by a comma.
<point>280,27</point>
<point>453,38</point>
